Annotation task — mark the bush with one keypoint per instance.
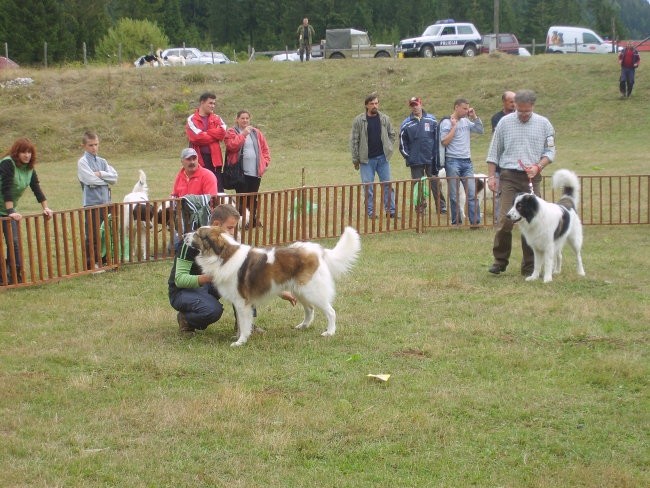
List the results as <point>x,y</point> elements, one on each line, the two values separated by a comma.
<point>137,37</point>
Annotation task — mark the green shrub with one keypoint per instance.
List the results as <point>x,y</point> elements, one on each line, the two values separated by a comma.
<point>136,37</point>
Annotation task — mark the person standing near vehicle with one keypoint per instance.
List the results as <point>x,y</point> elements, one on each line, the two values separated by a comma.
<point>629,60</point>
<point>247,143</point>
<point>523,144</point>
<point>96,177</point>
<point>16,174</point>
<point>205,130</point>
<point>305,35</point>
<point>455,133</point>
<point>418,144</point>
<point>371,143</point>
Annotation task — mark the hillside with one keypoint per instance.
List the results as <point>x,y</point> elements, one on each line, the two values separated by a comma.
<point>306,111</point>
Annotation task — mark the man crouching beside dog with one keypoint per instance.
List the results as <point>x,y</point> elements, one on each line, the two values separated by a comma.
<point>523,144</point>
<point>191,292</point>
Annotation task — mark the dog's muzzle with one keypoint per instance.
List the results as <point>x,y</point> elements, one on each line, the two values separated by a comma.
<point>188,239</point>
<point>514,218</point>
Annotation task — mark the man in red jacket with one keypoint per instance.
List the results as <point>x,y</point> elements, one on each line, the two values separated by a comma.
<point>205,130</point>
<point>629,60</point>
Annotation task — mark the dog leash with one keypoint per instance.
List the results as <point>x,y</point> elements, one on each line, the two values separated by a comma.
<point>530,180</point>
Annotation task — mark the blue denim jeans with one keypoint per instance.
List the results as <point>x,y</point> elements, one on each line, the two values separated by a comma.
<point>381,166</point>
<point>199,305</point>
<point>456,169</point>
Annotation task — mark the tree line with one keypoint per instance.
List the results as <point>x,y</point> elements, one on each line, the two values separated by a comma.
<point>66,25</point>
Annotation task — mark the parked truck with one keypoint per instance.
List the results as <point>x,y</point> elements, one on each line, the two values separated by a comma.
<point>353,43</point>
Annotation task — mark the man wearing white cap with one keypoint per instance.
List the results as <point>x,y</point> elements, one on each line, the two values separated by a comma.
<point>418,143</point>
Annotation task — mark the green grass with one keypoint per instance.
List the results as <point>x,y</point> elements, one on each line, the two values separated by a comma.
<point>306,111</point>
<point>495,382</point>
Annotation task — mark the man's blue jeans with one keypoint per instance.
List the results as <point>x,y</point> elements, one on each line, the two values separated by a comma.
<point>457,169</point>
<point>381,166</point>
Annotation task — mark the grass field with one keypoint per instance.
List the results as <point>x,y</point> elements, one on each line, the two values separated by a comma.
<point>495,382</point>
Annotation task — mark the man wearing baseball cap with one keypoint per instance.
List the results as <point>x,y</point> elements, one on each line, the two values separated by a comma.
<point>418,143</point>
<point>193,179</point>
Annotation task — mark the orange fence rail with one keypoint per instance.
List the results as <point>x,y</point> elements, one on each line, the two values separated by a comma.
<point>119,233</point>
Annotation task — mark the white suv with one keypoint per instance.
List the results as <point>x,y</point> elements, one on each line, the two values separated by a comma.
<point>443,37</point>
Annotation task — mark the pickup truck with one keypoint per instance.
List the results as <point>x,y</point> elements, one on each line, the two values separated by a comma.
<point>353,43</point>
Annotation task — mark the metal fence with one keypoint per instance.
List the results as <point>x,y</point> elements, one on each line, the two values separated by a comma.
<point>119,234</point>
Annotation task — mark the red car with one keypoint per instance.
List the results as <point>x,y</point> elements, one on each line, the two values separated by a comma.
<point>506,43</point>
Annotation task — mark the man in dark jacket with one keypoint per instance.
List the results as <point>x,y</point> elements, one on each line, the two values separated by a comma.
<point>629,60</point>
<point>418,143</point>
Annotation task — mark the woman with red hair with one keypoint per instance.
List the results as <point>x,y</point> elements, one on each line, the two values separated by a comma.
<point>16,174</point>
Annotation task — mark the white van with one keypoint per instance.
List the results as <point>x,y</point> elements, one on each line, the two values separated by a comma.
<point>565,39</point>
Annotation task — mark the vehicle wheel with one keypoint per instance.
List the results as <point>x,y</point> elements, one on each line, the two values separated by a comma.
<point>469,51</point>
<point>382,54</point>
<point>426,52</point>
<point>337,56</point>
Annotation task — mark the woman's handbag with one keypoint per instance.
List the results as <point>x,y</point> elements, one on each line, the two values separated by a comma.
<point>233,174</point>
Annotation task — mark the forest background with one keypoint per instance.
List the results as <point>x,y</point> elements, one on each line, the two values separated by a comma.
<point>234,25</point>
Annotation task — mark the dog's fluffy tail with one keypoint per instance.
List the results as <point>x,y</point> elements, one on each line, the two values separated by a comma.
<point>340,259</point>
<point>141,185</point>
<point>569,183</point>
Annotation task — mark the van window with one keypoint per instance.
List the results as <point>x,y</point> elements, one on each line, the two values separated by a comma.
<point>589,38</point>
<point>448,31</point>
<point>506,39</point>
<point>465,29</point>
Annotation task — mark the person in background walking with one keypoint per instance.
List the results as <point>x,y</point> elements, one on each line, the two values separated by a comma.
<point>629,60</point>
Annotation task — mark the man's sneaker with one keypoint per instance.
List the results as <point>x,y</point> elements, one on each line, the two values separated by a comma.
<point>497,268</point>
<point>183,325</point>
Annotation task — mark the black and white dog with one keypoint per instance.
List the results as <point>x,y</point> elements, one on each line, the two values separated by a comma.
<point>151,59</point>
<point>548,226</point>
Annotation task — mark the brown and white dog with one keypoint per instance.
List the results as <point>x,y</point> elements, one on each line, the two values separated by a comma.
<point>248,276</point>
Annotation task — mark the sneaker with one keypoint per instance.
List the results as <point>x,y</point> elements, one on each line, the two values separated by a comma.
<point>183,325</point>
<point>497,268</point>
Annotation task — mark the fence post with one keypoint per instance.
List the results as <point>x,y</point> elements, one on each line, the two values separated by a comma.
<point>45,54</point>
<point>119,53</point>
<point>533,47</point>
<point>6,50</point>
<point>85,54</point>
